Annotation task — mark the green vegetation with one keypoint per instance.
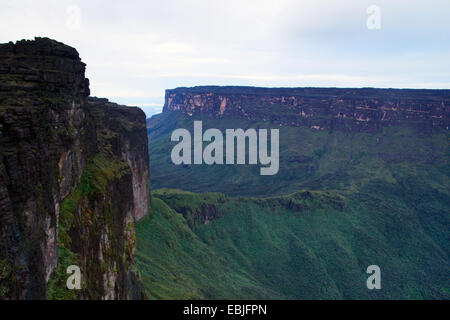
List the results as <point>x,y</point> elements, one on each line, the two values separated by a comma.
<point>76,214</point>
<point>57,289</point>
<point>6,272</point>
<point>261,248</point>
<point>368,198</point>
<point>317,160</point>
<point>194,207</point>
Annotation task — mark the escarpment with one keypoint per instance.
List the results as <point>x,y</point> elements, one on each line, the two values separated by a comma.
<point>364,109</point>
<point>74,178</point>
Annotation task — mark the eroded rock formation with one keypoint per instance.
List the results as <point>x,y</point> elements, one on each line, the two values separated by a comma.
<point>74,178</point>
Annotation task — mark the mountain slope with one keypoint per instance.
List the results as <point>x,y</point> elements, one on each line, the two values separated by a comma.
<point>384,151</point>
<point>308,245</point>
<point>325,133</point>
<point>308,159</point>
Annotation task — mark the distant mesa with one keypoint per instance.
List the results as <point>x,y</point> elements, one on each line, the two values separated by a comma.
<point>349,109</point>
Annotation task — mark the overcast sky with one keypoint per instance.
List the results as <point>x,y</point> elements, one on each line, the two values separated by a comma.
<point>134,50</point>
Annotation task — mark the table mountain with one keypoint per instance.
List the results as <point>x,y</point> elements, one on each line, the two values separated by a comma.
<point>74,178</point>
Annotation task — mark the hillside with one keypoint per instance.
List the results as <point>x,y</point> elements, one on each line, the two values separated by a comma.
<point>390,167</point>
<point>307,245</point>
<point>320,151</point>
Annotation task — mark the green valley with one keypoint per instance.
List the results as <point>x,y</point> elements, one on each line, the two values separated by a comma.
<point>345,197</point>
<point>308,245</point>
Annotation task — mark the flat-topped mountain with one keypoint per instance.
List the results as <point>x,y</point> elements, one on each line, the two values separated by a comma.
<point>349,109</point>
<point>363,180</point>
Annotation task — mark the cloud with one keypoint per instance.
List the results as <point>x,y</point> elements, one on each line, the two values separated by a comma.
<point>134,51</point>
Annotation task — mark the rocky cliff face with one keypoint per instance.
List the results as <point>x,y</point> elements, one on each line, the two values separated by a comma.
<point>318,108</point>
<point>74,178</point>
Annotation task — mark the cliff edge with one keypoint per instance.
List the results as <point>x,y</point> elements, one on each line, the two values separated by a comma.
<point>74,179</point>
<point>346,109</point>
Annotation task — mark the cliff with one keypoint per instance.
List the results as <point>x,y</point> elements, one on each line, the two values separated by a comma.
<point>364,109</point>
<point>74,178</point>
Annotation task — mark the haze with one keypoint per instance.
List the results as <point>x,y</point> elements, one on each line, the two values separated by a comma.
<point>135,50</point>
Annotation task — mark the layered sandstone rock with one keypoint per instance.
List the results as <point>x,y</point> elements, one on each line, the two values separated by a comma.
<point>74,177</point>
<point>364,109</point>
